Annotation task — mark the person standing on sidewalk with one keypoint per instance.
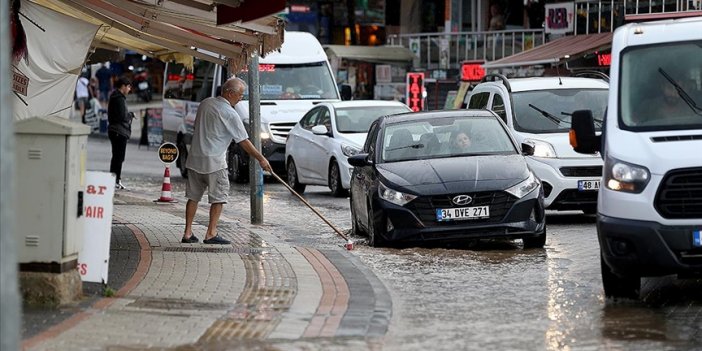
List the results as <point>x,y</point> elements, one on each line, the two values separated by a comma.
<point>120,127</point>
<point>216,125</point>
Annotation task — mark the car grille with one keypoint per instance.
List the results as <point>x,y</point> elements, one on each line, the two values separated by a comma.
<point>680,194</point>
<point>573,198</point>
<point>425,207</point>
<point>588,171</point>
<point>280,131</point>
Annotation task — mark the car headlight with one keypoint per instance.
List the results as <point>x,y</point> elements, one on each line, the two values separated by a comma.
<point>542,148</point>
<point>524,187</point>
<point>349,150</point>
<point>394,196</point>
<point>626,177</point>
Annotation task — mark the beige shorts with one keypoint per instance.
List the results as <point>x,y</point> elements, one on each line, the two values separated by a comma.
<point>216,183</point>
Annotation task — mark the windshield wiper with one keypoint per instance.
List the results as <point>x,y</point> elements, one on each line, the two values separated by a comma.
<point>550,117</point>
<point>414,146</point>
<point>682,93</point>
<point>598,121</point>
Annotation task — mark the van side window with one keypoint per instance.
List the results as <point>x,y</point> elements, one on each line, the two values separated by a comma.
<point>479,101</point>
<point>498,106</point>
<point>310,119</point>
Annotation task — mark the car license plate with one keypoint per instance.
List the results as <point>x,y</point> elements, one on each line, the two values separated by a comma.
<point>697,238</point>
<point>588,185</point>
<point>143,85</point>
<point>462,213</point>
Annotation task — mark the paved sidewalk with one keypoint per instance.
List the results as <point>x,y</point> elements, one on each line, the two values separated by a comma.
<point>258,293</point>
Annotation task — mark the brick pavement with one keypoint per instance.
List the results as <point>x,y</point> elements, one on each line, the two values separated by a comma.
<point>173,295</point>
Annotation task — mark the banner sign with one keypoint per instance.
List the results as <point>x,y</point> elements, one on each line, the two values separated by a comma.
<point>94,256</point>
<point>560,17</point>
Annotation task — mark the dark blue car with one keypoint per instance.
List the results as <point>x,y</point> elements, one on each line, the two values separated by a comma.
<point>445,176</point>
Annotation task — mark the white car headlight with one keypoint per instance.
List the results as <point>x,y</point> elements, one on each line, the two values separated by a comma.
<point>524,187</point>
<point>349,150</point>
<point>626,177</point>
<point>394,196</point>
<point>542,148</point>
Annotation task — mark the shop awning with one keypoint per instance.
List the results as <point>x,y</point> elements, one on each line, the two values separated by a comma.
<point>374,54</point>
<point>556,51</point>
<point>176,29</point>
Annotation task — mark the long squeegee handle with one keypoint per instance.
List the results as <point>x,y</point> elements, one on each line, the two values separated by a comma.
<point>310,206</point>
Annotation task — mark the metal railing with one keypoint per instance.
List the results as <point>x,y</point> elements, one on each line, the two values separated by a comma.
<point>448,50</point>
<point>661,7</point>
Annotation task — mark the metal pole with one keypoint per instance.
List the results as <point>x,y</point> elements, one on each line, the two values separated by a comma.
<point>9,293</point>
<point>255,173</point>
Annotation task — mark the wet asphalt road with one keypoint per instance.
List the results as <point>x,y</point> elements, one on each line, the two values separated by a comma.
<point>494,296</point>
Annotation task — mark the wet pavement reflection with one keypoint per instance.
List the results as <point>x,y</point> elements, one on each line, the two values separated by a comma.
<point>496,295</point>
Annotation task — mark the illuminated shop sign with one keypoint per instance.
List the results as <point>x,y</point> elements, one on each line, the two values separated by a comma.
<point>415,88</point>
<point>472,70</point>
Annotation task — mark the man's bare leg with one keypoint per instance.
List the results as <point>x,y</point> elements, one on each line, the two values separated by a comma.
<point>190,209</point>
<point>215,212</point>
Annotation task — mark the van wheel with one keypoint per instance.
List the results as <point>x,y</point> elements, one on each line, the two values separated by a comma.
<point>535,242</point>
<point>292,178</point>
<point>182,157</point>
<point>335,180</point>
<point>238,172</point>
<point>617,286</point>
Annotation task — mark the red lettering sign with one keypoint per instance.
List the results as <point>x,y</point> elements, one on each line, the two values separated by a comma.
<point>604,59</point>
<point>415,88</point>
<point>472,71</point>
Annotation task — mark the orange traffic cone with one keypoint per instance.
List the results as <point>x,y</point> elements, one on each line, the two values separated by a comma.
<point>166,188</point>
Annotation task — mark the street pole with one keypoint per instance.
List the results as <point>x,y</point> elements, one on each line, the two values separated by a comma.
<point>9,294</point>
<point>255,173</point>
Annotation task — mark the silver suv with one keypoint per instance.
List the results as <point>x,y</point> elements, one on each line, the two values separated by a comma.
<point>537,112</point>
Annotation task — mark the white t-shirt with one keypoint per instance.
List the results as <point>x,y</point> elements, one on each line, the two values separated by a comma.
<point>82,88</point>
<point>216,124</point>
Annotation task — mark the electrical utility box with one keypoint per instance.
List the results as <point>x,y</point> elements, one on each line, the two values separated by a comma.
<point>51,154</point>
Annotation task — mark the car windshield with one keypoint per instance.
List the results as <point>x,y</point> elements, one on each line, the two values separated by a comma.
<point>359,119</point>
<point>663,87</point>
<point>549,111</point>
<point>445,137</point>
<point>294,82</point>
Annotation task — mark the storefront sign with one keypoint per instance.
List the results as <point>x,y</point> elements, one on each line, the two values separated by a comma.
<point>415,89</point>
<point>94,256</point>
<point>560,17</point>
<point>472,70</point>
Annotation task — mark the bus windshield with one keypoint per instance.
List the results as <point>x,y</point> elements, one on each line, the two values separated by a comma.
<point>664,87</point>
<point>294,81</point>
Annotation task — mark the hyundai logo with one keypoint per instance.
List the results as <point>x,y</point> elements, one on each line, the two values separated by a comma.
<point>462,200</point>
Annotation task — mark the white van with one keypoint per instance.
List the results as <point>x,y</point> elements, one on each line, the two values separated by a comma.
<point>649,215</point>
<point>291,81</point>
<point>537,111</point>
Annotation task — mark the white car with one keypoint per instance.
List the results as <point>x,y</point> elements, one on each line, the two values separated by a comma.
<point>537,111</point>
<point>318,147</point>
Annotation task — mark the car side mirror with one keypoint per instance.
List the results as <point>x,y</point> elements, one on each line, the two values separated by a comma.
<point>360,160</point>
<point>320,130</point>
<point>527,149</point>
<point>345,91</point>
<point>582,133</point>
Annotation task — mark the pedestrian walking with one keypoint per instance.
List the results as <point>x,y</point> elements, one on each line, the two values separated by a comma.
<point>82,96</point>
<point>216,125</point>
<point>120,127</point>
<point>104,76</point>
